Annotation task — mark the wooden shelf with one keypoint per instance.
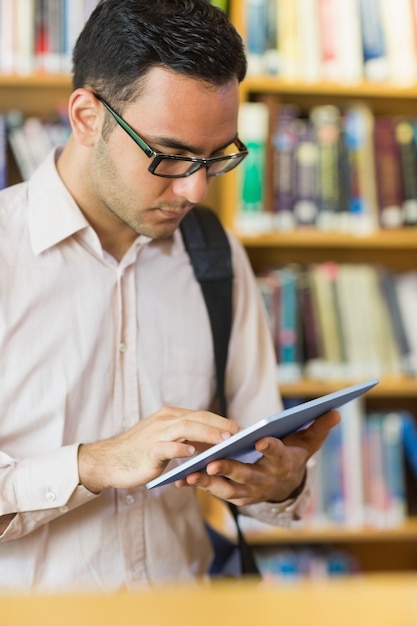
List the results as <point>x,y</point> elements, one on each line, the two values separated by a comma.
<point>333,534</point>
<point>313,238</point>
<point>394,387</point>
<point>362,90</point>
<point>34,94</point>
<point>35,80</point>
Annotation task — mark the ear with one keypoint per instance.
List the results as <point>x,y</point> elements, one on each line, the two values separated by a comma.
<point>85,116</point>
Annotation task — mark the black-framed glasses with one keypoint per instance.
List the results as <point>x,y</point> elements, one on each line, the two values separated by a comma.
<point>177,166</point>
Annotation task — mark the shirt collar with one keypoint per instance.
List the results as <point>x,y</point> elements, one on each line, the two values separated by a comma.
<point>53,213</point>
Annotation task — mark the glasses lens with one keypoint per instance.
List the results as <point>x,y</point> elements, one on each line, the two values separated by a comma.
<point>175,168</point>
<point>221,167</point>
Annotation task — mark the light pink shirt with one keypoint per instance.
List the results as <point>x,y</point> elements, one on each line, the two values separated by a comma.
<point>88,347</point>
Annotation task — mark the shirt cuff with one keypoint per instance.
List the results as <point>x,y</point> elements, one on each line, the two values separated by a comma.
<point>47,481</point>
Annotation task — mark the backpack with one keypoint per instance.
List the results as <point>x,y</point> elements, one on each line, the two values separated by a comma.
<point>209,250</point>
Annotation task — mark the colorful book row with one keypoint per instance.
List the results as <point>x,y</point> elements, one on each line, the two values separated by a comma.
<point>38,35</point>
<point>331,168</point>
<point>341,321</point>
<point>343,41</point>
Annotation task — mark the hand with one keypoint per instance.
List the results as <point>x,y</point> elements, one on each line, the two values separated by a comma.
<point>273,477</point>
<point>141,453</point>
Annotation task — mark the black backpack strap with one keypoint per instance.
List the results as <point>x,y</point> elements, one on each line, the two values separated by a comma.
<point>209,250</point>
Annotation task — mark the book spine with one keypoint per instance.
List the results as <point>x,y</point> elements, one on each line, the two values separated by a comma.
<point>359,131</point>
<point>288,40</point>
<point>373,41</point>
<point>327,19</point>
<point>284,142</point>
<point>388,282</point>
<point>404,132</point>
<point>326,127</point>
<point>349,40</point>
<point>254,127</point>
<point>306,163</point>
<point>256,28</point>
<point>289,365</point>
<point>388,173</point>
<point>393,463</point>
<point>352,417</point>
<point>309,40</point>
<point>24,36</point>
<point>397,19</point>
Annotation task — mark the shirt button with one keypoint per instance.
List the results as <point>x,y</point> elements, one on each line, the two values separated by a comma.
<point>125,424</point>
<point>64,509</point>
<point>129,499</point>
<point>122,347</point>
<point>50,496</point>
<point>274,510</point>
<point>135,575</point>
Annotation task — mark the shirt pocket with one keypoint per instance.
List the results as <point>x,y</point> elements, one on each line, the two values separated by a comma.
<point>189,379</point>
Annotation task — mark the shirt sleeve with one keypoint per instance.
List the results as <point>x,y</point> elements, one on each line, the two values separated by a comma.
<point>39,489</point>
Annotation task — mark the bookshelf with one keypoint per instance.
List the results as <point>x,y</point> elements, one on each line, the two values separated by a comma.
<point>377,549</point>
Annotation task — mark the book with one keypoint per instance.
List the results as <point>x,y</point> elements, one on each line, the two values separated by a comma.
<point>283,144</point>
<point>309,41</point>
<point>24,36</point>
<point>306,172</point>
<point>404,133</point>
<point>253,130</point>
<point>327,18</point>
<point>256,29</point>
<point>409,432</point>
<point>358,124</point>
<point>314,367</point>
<point>240,446</point>
<point>323,279</point>
<point>390,191</point>
<point>351,459</point>
<point>394,467</point>
<point>348,41</point>
<point>397,20</point>
<point>375,60</point>
<point>325,120</point>
<point>376,491</point>
<point>388,282</point>
<point>406,288</point>
<point>288,39</point>
<point>288,332</point>
<point>331,507</point>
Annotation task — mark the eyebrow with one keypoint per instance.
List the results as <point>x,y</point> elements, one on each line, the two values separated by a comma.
<point>176,144</point>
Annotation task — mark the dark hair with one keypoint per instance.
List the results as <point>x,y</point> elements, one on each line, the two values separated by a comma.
<point>124,39</point>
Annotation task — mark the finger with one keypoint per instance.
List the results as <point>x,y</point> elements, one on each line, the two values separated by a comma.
<point>195,430</point>
<point>164,451</point>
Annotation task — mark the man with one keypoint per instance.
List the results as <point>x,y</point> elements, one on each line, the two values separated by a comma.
<point>107,370</point>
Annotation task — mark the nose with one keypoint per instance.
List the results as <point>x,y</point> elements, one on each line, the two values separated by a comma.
<point>193,188</point>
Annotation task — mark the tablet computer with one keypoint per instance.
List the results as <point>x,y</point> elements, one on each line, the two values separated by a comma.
<point>241,446</point>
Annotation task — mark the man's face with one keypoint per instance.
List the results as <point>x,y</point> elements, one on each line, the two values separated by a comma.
<point>174,115</point>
